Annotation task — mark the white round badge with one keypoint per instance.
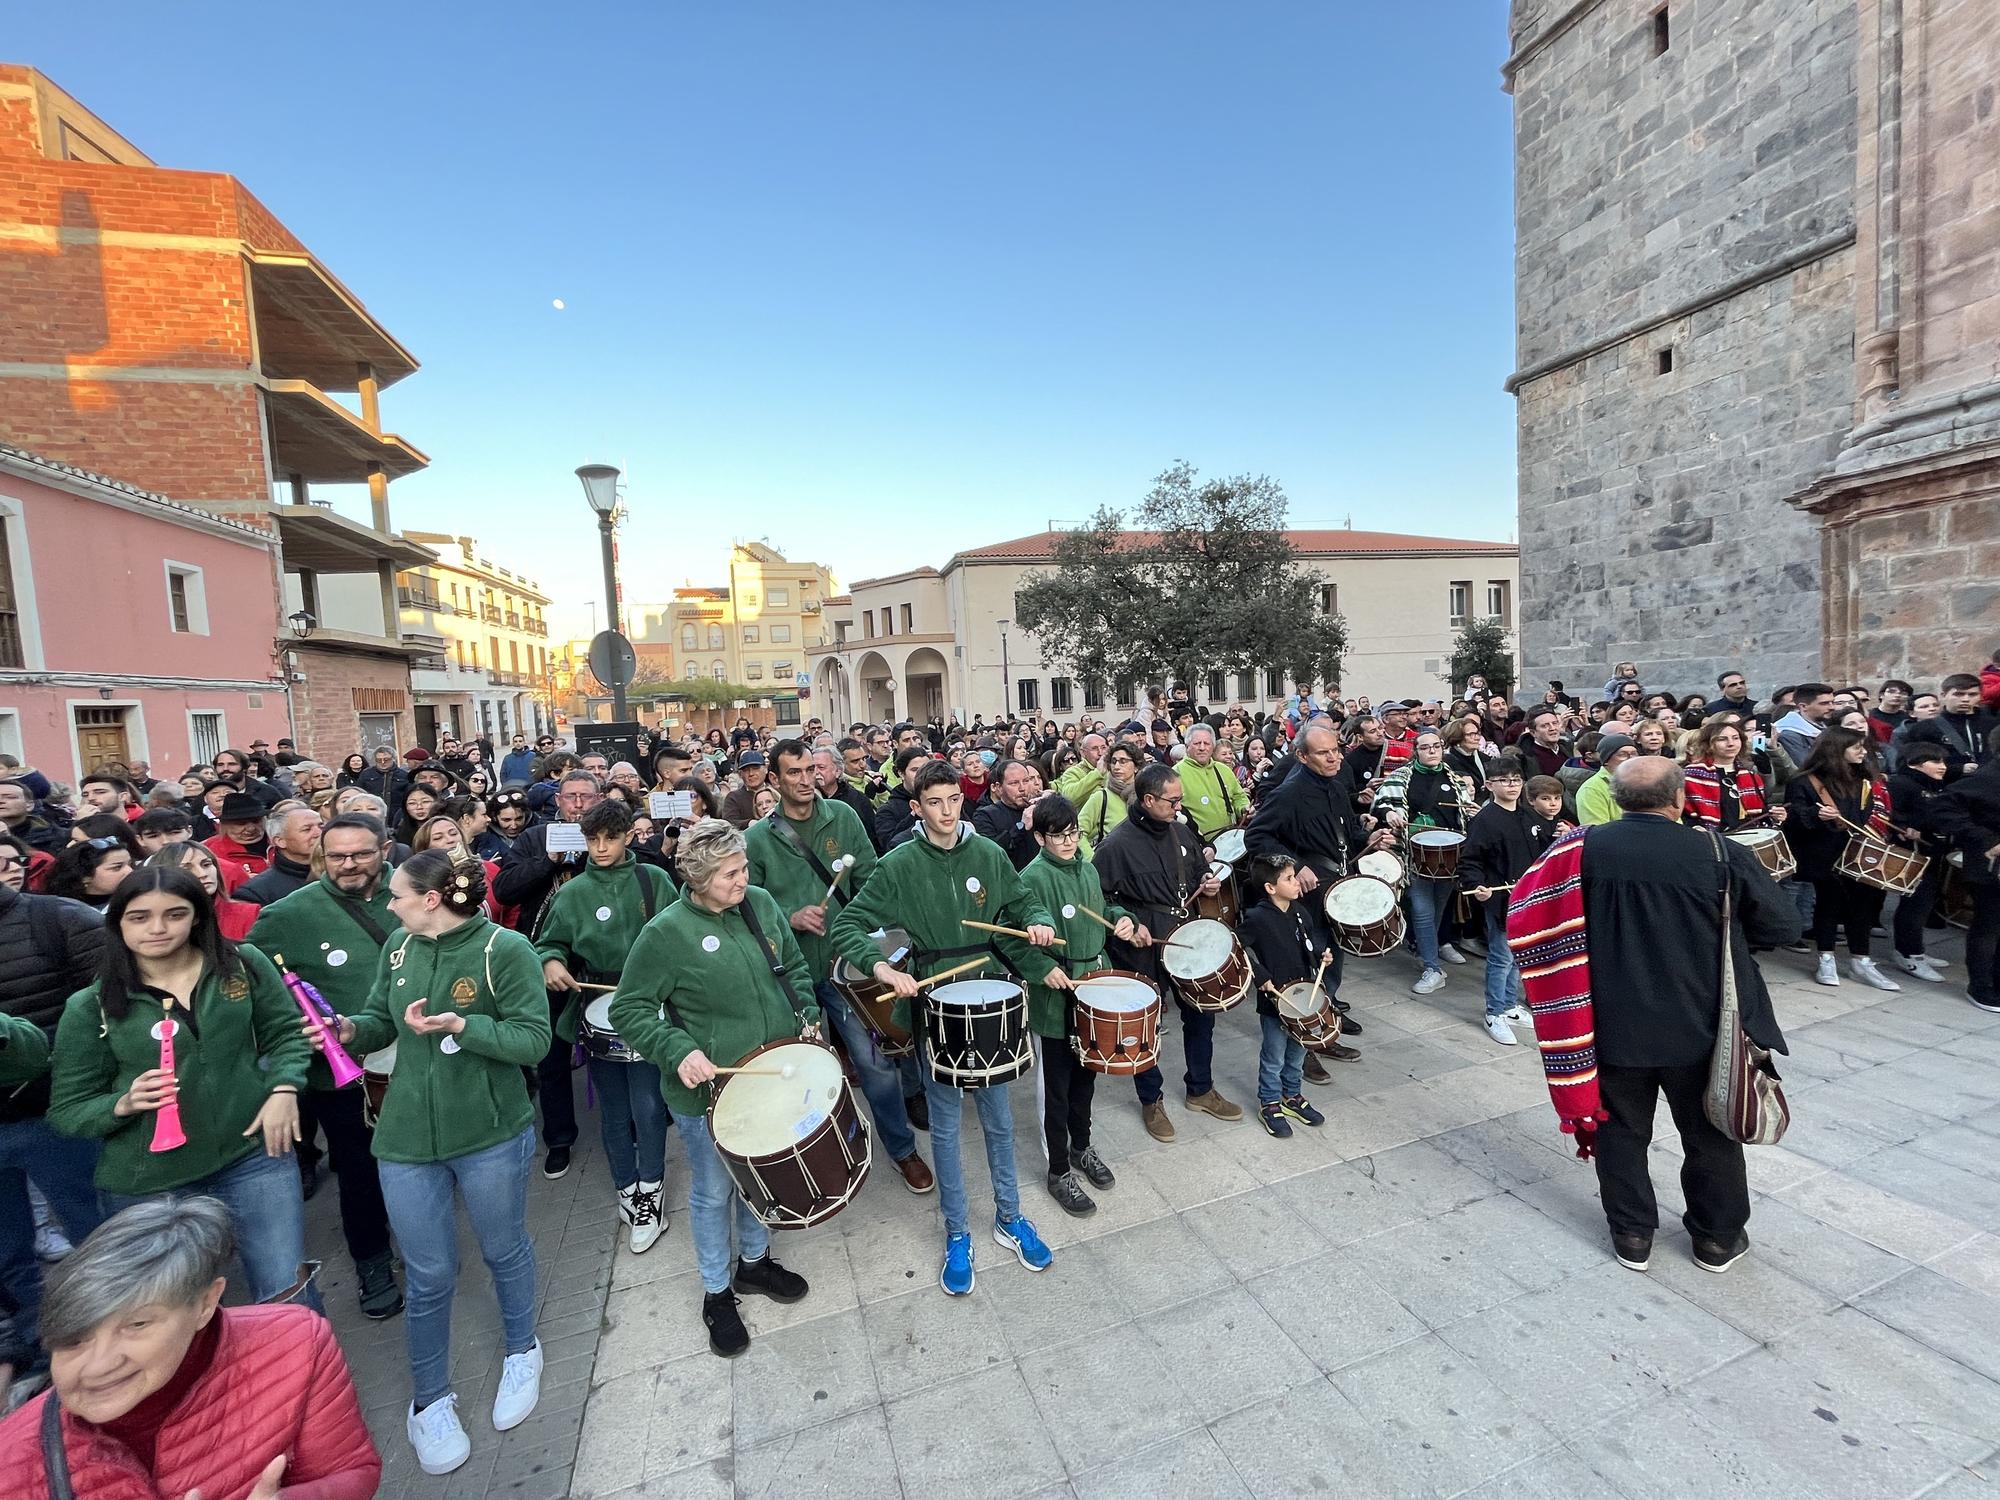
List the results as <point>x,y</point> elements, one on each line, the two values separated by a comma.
<point>604,914</point>
<point>972,884</point>
<point>1069,911</point>
<point>710,943</point>
<point>336,958</point>
<point>448,1046</point>
<point>1204,802</point>
<point>164,1029</point>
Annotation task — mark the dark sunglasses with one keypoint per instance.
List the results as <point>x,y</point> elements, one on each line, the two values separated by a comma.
<point>103,844</point>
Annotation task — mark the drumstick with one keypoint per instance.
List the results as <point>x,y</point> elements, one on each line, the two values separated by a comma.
<point>609,989</point>
<point>1009,931</point>
<point>787,1071</point>
<point>971,963</point>
<point>839,873</point>
<point>1107,926</point>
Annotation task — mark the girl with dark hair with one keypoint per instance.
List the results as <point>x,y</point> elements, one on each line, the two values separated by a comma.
<point>89,870</point>
<point>351,769</point>
<point>1838,791</point>
<point>462,1000</point>
<point>707,803</point>
<point>233,919</point>
<point>239,1061</point>
<point>417,804</point>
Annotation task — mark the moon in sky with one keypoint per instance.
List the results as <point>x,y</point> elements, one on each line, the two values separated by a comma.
<point>557,304</point>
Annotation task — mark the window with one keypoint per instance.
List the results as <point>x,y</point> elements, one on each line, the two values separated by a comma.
<point>1059,695</point>
<point>205,737</point>
<point>10,734</point>
<point>514,665</point>
<point>1217,689</point>
<point>1329,599</point>
<point>888,621</point>
<point>1274,684</point>
<point>458,652</point>
<point>750,635</point>
<point>690,638</point>
<point>1093,693</point>
<point>868,624</point>
<point>788,710</point>
<point>782,670</point>
<point>177,602</point>
<point>1663,362</point>
<point>1028,693</point>
<point>473,647</point>
<point>694,672</point>
<point>1461,600</point>
<point>1663,34</point>
<point>715,637</point>
<point>493,644</point>
<point>1122,692</point>
<point>907,626</point>
<point>753,672</point>
<point>187,599</point>
<point>1500,601</point>
<point>1246,686</point>
<point>781,635</point>
<point>719,672</point>
<point>777,598</point>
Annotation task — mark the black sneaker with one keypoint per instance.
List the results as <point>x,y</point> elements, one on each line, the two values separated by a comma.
<point>1088,1162</point>
<point>1349,1026</point>
<point>1634,1251</point>
<point>1713,1256</point>
<point>1296,1108</point>
<point>308,1180</point>
<point>1272,1118</point>
<point>1069,1193</point>
<point>726,1334</point>
<point>769,1279</point>
<point>556,1163</point>
<point>1339,1053</point>
<point>380,1297</point>
<point>1315,1070</point>
<point>918,1108</point>
<point>1989,1004</point>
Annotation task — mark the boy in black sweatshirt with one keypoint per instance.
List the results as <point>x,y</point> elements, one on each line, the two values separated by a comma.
<point>1502,840</point>
<point>1919,777</point>
<point>1285,946</point>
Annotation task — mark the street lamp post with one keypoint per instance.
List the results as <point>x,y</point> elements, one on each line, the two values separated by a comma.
<point>1006,677</point>
<point>600,488</point>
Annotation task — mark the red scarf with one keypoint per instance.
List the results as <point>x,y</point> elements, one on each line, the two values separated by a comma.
<point>1705,781</point>
<point>1545,928</point>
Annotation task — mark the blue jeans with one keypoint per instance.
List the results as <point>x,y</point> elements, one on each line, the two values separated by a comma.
<point>494,1185</point>
<point>1503,973</point>
<point>881,1079</point>
<point>62,1167</point>
<point>709,1198</point>
<point>996,1124</point>
<point>1429,900</point>
<point>631,1109</point>
<point>1280,1062</point>
<point>267,1213</point>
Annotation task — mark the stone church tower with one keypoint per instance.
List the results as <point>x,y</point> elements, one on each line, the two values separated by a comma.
<point>1758,301</point>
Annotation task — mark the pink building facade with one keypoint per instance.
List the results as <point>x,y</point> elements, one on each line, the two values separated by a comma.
<point>133,628</point>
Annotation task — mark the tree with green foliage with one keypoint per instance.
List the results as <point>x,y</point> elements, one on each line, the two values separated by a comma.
<point>696,692</point>
<point>1205,581</point>
<point>1481,650</point>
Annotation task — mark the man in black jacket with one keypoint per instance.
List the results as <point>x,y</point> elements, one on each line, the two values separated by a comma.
<point>292,835</point>
<point>49,949</point>
<point>1961,727</point>
<point>1310,817</point>
<point>1652,900</point>
<point>1003,817</point>
<point>1967,816</point>
<point>896,819</point>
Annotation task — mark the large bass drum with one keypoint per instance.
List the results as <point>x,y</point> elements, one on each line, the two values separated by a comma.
<point>796,1148</point>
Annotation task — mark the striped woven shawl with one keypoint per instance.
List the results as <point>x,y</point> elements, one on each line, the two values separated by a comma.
<point>1545,928</point>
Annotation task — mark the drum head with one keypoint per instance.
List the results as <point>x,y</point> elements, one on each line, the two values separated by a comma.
<point>1116,994</point>
<point>1229,846</point>
<point>383,1062</point>
<point>1754,838</point>
<point>1194,950</point>
<point>1383,865</point>
<point>598,1013</point>
<point>893,942</point>
<point>1437,838</point>
<point>1298,1001</point>
<point>1359,901</point>
<point>973,994</point>
<point>757,1114</point>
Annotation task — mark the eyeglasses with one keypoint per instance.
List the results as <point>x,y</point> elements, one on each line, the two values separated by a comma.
<point>1065,835</point>
<point>1170,801</point>
<point>103,844</point>
<point>353,859</point>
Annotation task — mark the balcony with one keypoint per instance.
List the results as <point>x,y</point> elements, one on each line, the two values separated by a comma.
<point>417,599</point>
<point>311,328</point>
<point>489,614</point>
<point>316,439</point>
<point>513,620</point>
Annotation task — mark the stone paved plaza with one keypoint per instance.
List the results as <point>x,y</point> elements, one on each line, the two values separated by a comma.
<point>1415,1300</point>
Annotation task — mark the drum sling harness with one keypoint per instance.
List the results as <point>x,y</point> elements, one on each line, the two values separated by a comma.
<point>782,827</point>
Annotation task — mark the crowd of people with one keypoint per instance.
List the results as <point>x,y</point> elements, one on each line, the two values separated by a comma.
<point>408,957</point>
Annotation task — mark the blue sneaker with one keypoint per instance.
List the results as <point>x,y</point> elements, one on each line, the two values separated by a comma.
<point>1272,1117</point>
<point>1296,1108</point>
<point>956,1278</point>
<point>1019,1236</point>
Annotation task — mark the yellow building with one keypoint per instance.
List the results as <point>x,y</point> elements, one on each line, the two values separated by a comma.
<point>493,677</point>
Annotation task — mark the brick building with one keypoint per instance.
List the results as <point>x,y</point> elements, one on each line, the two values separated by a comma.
<point>1759,335</point>
<point>162,327</point>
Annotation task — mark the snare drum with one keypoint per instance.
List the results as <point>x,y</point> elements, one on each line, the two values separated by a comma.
<point>1207,965</point>
<point>796,1148</point>
<point>1384,866</point>
<point>1434,853</point>
<point>1228,846</point>
<point>1222,906</point>
<point>1311,1019</point>
<point>1881,865</point>
<point>600,1040</point>
<point>376,1070</point>
<point>1117,1022</point>
<point>976,1031</point>
<point>1771,849</point>
<point>875,1003</point>
<point>1366,920</point>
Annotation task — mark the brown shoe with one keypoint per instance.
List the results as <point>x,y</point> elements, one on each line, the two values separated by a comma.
<point>1158,1126</point>
<point>1339,1053</point>
<point>1212,1103</point>
<point>1315,1070</point>
<point>916,1176</point>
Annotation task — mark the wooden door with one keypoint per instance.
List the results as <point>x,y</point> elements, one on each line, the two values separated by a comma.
<point>100,736</point>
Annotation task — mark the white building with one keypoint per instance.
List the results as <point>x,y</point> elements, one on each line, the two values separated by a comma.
<point>493,676</point>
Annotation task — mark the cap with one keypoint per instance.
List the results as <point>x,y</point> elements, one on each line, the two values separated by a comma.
<point>240,807</point>
<point>750,758</point>
<point>260,744</point>
<point>287,744</point>
<point>419,754</point>
<point>1611,744</point>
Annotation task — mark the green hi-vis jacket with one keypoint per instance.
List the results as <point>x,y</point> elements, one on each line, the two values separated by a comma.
<point>1215,799</point>
<point>1067,887</point>
<point>315,930</point>
<point>718,980</point>
<point>833,830</point>
<point>927,891</point>
<point>453,1095</point>
<point>240,1040</point>
<point>594,920</point>
<point>24,1050</point>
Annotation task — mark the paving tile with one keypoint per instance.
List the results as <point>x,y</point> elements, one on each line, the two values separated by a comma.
<point>1954,1319</point>
<point>1106,1396</point>
<point>1345,1203</point>
<point>802,1376</point>
<point>980,1439</point>
<point>1816,1253</point>
<point>1333,1310</point>
<point>1975,1264</point>
<point>1433,1269</point>
<point>1920,1177</point>
<point>645,1328</point>
<point>1191,1173</point>
<point>1426,1176</point>
<point>1253,1232</point>
<point>1502,1154</point>
<point>925,1338</point>
<point>1874,1366</point>
<point>1187,1467</point>
<point>1879,1217</point>
<point>1074,1297</point>
<point>1156,1265</point>
<point>848,1457</point>
<point>1311,1440</point>
<point>1555,1475</point>
<point>1226,1351</point>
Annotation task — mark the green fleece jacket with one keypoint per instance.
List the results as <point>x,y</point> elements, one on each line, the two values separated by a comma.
<point>1063,886</point>
<point>1215,798</point>
<point>718,980</point>
<point>592,923</point>
<point>239,1040</point>
<point>453,1095</point>
<point>321,942</point>
<point>1098,815</point>
<point>833,830</point>
<point>926,891</point>
<point>24,1050</point>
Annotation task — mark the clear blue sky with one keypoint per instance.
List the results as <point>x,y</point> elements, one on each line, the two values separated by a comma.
<point>874,281</point>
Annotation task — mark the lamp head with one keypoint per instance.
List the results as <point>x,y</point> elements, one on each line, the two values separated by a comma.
<point>600,487</point>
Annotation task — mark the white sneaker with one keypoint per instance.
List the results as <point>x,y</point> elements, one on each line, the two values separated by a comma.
<point>1429,982</point>
<point>628,1197</point>
<point>1919,967</point>
<point>1450,954</point>
<point>51,1244</point>
<point>1828,971</point>
<point>440,1442</point>
<point>520,1388</point>
<point>649,1220</point>
<point>1864,970</point>
<point>1516,1015</point>
<point>1501,1032</point>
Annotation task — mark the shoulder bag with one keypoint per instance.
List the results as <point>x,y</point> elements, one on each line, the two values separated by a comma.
<point>1744,1098</point>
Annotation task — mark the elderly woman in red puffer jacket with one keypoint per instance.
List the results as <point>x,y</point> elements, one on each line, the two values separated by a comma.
<point>158,1391</point>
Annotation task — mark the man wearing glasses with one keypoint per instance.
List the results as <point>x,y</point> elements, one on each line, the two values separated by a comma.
<point>1735,697</point>
<point>1151,864</point>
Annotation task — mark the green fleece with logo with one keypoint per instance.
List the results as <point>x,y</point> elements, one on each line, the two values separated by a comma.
<point>1067,888</point>
<point>314,928</point>
<point>833,830</point>
<point>596,918</point>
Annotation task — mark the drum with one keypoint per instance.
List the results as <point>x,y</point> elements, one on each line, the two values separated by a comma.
<point>1872,862</point>
<point>1310,1018</point>
<point>1207,965</point>
<point>1222,906</point>
<point>1366,920</point>
<point>1384,866</point>
<point>1229,848</point>
<point>976,1031</point>
<point>1117,1022</point>
<point>599,1040</point>
<point>1434,853</point>
<point>376,1069</point>
<point>796,1148</point>
<point>1771,849</point>
<point>873,1000</point>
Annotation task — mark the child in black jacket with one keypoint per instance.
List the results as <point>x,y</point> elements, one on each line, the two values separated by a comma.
<point>1285,947</point>
<point>1918,779</point>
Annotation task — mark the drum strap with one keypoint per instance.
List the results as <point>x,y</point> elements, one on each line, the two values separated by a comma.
<point>363,918</point>
<point>646,897</point>
<point>782,827</point>
<point>771,956</point>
